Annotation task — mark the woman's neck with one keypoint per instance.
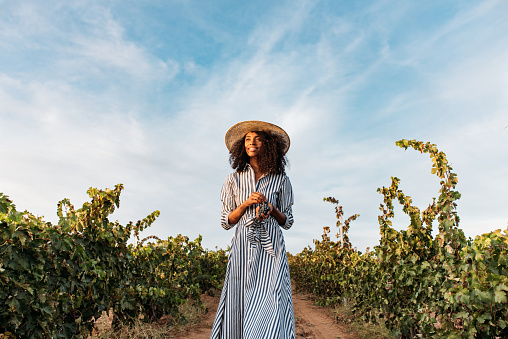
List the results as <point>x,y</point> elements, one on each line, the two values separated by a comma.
<point>255,166</point>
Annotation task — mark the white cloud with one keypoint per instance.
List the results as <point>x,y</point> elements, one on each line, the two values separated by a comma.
<point>107,47</point>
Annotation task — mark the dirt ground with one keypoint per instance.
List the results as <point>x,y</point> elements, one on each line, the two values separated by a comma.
<point>311,321</point>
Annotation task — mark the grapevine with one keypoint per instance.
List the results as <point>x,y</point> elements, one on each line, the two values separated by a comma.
<point>55,280</point>
<point>417,283</point>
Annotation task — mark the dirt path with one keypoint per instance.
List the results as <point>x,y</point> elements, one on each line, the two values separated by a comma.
<point>311,321</point>
<point>315,322</point>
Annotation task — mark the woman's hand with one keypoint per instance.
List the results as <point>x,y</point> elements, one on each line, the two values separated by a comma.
<point>255,198</point>
<point>262,216</point>
<point>274,212</point>
<point>236,215</point>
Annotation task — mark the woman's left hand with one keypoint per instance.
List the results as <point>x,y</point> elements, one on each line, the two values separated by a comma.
<point>264,216</point>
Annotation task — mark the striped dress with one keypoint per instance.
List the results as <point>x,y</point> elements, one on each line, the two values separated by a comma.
<point>256,300</point>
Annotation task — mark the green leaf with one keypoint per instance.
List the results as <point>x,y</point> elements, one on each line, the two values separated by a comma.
<point>481,319</point>
<point>500,296</point>
<point>48,310</point>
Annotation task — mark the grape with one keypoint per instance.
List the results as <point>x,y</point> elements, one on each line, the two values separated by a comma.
<point>264,208</point>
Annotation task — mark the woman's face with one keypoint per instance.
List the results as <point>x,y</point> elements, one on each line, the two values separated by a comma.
<point>253,144</point>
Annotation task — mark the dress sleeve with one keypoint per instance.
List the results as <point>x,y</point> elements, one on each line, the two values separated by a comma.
<point>228,203</point>
<point>286,202</point>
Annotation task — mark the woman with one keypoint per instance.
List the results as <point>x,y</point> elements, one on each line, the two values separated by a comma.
<point>256,298</point>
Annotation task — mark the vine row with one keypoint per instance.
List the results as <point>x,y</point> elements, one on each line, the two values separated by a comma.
<point>419,284</point>
<point>56,280</point>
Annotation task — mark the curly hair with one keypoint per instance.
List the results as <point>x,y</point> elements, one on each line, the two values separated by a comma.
<point>271,154</point>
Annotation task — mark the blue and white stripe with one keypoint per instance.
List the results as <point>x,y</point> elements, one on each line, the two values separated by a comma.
<point>256,301</point>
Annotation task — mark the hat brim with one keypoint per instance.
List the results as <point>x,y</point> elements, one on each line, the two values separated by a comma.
<point>239,130</point>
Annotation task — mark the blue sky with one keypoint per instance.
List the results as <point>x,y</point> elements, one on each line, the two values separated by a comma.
<point>95,93</point>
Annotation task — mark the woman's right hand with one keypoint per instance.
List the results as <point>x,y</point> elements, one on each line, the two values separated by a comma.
<point>255,198</point>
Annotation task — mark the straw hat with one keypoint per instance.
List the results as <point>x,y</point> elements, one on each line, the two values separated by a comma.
<point>238,131</point>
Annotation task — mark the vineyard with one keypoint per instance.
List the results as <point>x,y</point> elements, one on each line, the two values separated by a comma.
<point>56,280</point>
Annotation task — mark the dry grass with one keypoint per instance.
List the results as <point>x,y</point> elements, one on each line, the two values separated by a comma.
<point>166,327</point>
<point>358,326</point>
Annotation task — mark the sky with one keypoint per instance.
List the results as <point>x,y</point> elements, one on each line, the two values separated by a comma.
<point>96,93</point>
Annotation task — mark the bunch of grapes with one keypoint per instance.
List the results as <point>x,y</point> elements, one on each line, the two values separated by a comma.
<point>264,208</point>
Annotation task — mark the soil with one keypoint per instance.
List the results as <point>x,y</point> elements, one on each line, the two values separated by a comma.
<point>315,322</point>
<point>311,321</point>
